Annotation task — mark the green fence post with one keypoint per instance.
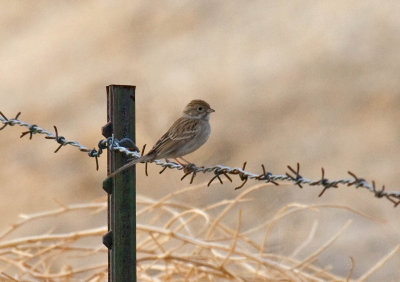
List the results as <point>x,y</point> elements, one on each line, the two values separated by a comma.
<point>121,238</point>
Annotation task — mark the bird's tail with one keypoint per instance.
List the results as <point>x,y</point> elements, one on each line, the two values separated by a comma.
<point>142,159</point>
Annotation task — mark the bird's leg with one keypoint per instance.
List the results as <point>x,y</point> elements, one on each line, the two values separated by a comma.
<point>185,160</point>
<point>176,159</point>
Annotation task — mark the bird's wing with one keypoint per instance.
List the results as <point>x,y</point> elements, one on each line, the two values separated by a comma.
<point>182,131</point>
<point>183,128</point>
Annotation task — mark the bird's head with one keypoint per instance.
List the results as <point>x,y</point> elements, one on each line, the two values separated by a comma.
<point>198,109</point>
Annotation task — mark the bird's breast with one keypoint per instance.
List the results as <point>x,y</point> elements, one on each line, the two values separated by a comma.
<point>199,139</point>
<point>204,133</point>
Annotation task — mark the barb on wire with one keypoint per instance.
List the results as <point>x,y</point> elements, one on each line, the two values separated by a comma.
<point>31,131</point>
<point>34,129</point>
<point>7,121</point>
<point>293,175</point>
<point>60,139</point>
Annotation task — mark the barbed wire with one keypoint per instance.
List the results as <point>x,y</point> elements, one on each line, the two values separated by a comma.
<point>292,175</point>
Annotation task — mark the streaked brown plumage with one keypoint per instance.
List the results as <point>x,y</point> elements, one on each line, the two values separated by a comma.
<point>187,134</point>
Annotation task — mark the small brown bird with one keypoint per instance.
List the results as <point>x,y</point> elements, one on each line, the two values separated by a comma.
<point>186,135</point>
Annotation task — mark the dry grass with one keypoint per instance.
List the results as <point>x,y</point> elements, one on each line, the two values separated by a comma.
<point>175,242</point>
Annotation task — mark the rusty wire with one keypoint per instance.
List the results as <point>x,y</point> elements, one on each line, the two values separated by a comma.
<point>292,175</point>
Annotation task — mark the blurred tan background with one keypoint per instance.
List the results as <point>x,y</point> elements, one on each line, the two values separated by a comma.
<point>315,82</point>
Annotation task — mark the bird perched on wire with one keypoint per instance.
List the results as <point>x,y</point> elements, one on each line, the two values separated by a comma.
<point>186,135</point>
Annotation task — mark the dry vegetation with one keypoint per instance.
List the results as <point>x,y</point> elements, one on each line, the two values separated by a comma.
<point>175,242</point>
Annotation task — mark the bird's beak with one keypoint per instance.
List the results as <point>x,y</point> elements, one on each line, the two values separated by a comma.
<point>210,110</point>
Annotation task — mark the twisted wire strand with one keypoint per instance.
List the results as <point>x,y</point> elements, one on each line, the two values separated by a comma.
<point>293,175</point>
<point>33,129</point>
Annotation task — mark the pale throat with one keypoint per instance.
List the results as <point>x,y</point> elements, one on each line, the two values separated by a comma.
<point>206,117</point>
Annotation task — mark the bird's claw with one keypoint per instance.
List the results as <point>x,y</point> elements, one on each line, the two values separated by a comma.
<point>187,168</point>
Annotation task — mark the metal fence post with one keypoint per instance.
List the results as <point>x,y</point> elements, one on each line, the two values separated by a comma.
<point>121,238</point>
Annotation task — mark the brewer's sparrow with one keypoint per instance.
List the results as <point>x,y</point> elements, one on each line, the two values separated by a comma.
<point>186,135</point>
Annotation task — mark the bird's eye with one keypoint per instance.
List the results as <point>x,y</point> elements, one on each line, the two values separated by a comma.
<point>200,109</point>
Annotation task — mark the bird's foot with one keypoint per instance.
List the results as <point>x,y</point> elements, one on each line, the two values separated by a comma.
<point>187,168</point>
